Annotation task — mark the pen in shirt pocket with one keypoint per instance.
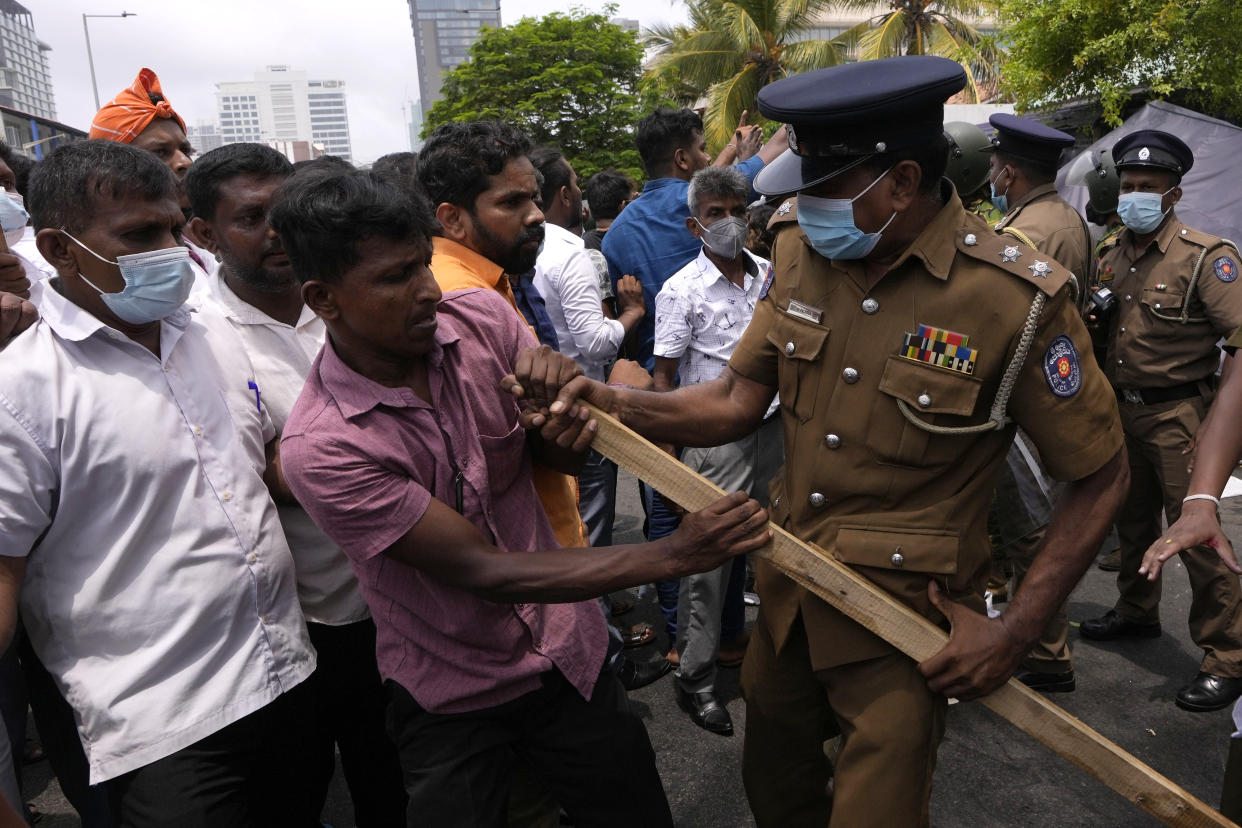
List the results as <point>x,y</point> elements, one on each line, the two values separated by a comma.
<point>258,402</point>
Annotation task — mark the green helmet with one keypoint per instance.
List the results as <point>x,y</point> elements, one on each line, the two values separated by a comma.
<point>1102,183</point>
<point>969,163</point>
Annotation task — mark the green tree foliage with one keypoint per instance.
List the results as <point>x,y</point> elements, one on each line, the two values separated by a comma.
<point>568,80</point>
<point>929,27</point>
<point>1066,49</point>
<point>729,50</point>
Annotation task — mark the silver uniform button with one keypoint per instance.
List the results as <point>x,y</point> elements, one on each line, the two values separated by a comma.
<point>898,560</point>
<point>870,305</point>
<point>832,440</point>
<point>924,400</point>
<point>817,499</point>
<point>790,348</point>
<point>850,375</point>
<point>1128,297</point>
<point>971,240</point>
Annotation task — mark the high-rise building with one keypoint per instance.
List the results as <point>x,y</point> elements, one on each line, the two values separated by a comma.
<point>204,135</point>
<point>25,80</point>
<point>281,104</point>
<point>415,125</point>
<point>444,31</point>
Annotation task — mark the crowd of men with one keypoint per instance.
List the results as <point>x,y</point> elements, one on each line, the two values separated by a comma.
<point>299,462</point>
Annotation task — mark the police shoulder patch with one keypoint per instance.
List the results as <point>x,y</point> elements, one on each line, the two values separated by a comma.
<point>1062,368</point>
<point>1226,269</point>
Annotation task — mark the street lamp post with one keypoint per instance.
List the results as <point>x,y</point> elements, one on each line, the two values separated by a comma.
<point>89,57</point>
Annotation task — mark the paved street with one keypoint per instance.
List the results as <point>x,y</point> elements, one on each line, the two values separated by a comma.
<point>989,773</point>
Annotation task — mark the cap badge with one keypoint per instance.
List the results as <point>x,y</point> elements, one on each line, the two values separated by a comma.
<point>1144,154</point>
<point>1011,253</point>
<point>1041,269</point>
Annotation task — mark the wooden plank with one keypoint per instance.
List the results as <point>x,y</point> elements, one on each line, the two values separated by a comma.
<point>915,636</point>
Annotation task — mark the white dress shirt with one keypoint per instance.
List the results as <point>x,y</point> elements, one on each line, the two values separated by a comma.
<point>282,357</point>
<point>566,278</point>
<point>701,315</point>
<point>32,260</point>
<point>159,590</point>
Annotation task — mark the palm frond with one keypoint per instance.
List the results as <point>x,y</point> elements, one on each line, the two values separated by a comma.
<point>886,39</point>
<point>725,103</point>
<point>807,55</point>
<point>736,21</point>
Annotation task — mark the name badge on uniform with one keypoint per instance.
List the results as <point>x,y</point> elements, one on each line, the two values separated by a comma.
<point>936,346</point>
<point>807,312</point>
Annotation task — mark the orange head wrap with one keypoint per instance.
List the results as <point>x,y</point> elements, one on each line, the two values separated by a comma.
<point>124,117</point>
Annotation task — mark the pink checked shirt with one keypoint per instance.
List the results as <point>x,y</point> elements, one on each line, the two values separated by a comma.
<point>365,460</point>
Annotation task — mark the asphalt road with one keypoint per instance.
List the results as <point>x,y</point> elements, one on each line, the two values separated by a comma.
<point>988,773</point>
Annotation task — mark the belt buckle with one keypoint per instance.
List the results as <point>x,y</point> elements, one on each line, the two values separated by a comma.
<point>1132,396</point>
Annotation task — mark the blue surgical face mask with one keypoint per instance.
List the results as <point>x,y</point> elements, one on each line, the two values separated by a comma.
<point>830,228</point>
<point>1000,200</point>
<point>1141,211</point>
<point>13,216</point>
<point>156,283</point>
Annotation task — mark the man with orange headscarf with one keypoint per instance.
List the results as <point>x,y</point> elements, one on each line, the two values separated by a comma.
<point>141,115</point>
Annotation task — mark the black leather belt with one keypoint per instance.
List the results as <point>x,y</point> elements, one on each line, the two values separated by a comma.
<point>1150,396</point>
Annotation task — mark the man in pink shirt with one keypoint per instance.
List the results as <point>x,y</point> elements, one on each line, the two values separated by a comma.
<point>404,450</point>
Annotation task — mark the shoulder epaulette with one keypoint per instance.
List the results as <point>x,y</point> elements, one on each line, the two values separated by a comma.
<point>1009,254</point>
<point>785,213</point>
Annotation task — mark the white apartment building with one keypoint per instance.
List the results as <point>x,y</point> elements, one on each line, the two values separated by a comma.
<point>281,104</point>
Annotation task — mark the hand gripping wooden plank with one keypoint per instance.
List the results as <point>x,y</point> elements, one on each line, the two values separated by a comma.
<point>915,636</point>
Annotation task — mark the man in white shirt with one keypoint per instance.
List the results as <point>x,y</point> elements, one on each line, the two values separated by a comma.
<point>231,190</point>
<point>701,312</point>
<point>156,584</point>
<point>566,278</point>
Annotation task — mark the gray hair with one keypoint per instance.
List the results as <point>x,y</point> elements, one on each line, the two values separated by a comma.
<point>726,182</point>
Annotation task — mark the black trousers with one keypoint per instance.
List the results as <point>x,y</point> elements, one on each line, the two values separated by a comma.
<point>252,773</point>
<point>593,756</point>
<point>350,703</point>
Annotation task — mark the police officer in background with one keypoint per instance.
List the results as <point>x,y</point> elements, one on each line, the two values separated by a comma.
<point>1024,170</point>
<point>1176,295</point>
<point>1103,187</point>
<point>893,330</point>
<point>969,170</point>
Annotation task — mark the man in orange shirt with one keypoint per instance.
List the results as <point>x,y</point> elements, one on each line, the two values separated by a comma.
<point>483,190</point>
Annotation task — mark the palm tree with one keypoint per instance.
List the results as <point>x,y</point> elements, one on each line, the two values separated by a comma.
<point>731,49</point>
<point>928,27</point>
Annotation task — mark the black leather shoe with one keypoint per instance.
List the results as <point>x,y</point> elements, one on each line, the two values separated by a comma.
<point>1111,626</point>
<point>1047,682</point>
<point>705,711</point>
<point>1208,692</point>
<point>634,675</point>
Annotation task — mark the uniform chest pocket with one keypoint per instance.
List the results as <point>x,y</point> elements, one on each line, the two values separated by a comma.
<point>1165,304</point>
<point>936,396</point>
<point>800,345</point>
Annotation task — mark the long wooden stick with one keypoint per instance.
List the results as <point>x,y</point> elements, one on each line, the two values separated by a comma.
<point>915,636</point>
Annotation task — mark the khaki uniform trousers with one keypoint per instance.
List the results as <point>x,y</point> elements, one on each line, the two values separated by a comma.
<point>890,724</point>
<point>1156,435</point>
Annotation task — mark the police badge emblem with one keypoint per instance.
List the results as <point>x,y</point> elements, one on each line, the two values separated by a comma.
<point>1062,368</point>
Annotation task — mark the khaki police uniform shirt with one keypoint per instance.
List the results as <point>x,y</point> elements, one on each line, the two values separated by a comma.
<point>880,494</point>
<point>1148,347</point>
<point>1054,228</point>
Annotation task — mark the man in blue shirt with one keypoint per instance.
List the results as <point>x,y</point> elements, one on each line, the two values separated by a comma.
<point>648,240</point>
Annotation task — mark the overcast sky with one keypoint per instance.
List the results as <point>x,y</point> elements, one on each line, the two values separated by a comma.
<point>192,46</point>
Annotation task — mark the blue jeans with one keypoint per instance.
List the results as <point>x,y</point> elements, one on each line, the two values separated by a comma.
<point>660,524</point>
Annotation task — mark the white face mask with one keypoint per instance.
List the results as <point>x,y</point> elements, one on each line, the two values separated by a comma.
<point>13,216</point>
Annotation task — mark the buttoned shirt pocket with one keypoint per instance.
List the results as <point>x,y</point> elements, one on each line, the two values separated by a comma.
<point>936,396</point>
<point>800,345</point>
<point>928,551</point>
<point>1164,304</point>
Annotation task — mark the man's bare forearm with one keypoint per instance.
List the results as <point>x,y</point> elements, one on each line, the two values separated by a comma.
<point>706,414</point>
<point>1079,523</point>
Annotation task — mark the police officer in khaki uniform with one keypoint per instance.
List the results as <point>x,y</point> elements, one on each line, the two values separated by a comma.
<point>906,340</point>
<point>1176,294</point>
<point>1024,168</point>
